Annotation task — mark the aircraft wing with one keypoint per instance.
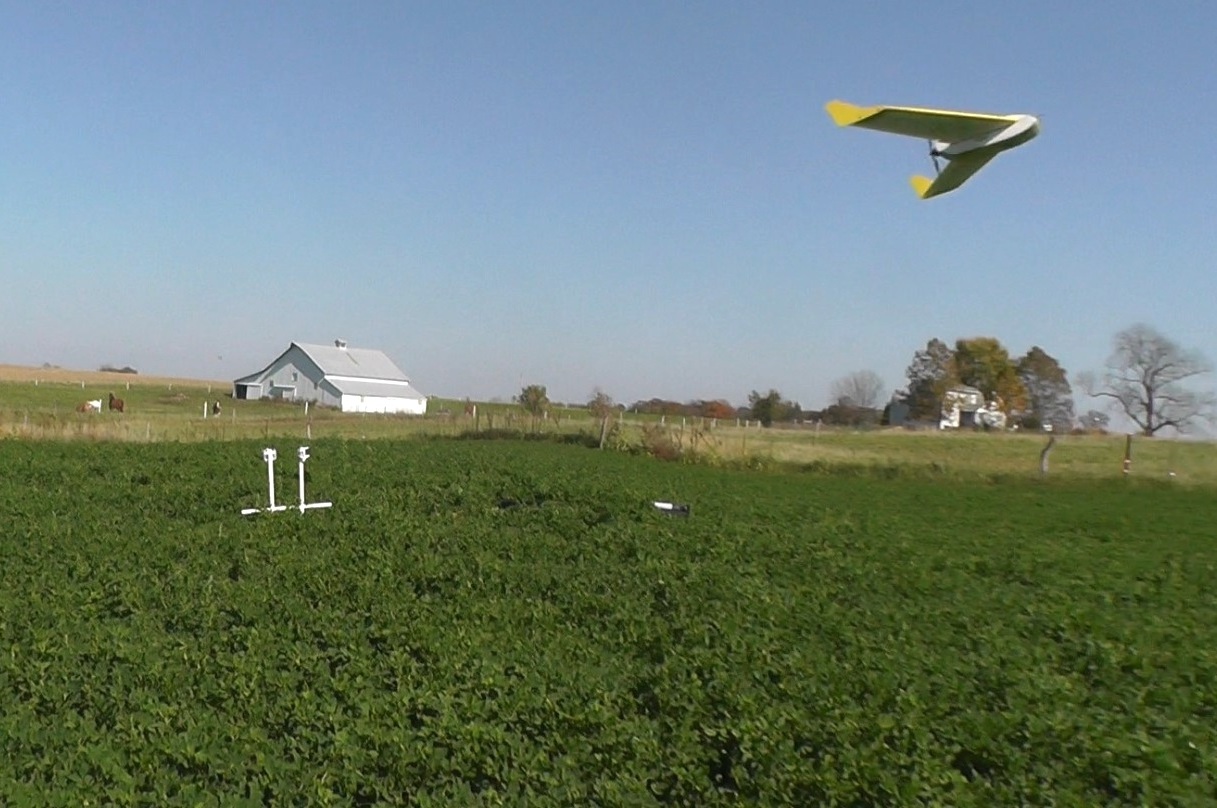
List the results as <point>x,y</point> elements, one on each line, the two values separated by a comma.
<point>954,175</point>
<point>928,124</point>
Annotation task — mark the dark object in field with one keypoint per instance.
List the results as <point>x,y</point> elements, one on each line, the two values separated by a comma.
<point>507,503</point>
<point>116,404</point>
<point>673,509</point>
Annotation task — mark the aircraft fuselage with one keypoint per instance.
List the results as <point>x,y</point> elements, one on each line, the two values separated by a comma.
<point>999,140</point>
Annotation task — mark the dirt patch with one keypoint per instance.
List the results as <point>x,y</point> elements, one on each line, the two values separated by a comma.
<point>19,373</point>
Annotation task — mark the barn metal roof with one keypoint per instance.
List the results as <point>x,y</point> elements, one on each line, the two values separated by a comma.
<point>373,388</point>
<point>363,363</point>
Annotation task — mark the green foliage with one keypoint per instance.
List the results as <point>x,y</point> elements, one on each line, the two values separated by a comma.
<point>849,415</point>
<point>771,407</point>
<point>601,405</point>
<point>660,443</point>
<point>602,408</point>
<point>1036,383</point>
<point>511,622</point>
<point>930,374</point>
<point>984,363</point>
<point>1050,398</point>
<point>534,399</point>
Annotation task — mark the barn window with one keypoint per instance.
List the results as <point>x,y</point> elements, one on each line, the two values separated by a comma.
<point>295,376</point>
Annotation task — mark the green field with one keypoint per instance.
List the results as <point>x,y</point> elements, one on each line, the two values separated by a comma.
<point>172,410</point>
<point>511,623</point>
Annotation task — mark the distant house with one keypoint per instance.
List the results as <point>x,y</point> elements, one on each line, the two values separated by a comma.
<point>353,379</point>
<point>964,406</point>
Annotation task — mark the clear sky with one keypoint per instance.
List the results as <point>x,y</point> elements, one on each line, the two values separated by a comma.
<point>644,197</point>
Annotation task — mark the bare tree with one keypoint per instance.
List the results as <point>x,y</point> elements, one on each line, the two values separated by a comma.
<point>602,408</point>
<point>862,389</point>
<point>1144,381</point>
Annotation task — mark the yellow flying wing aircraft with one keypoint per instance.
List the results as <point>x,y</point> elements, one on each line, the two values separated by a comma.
<point>966,140</point>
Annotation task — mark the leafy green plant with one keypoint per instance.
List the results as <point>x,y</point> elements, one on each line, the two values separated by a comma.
<point>513,622</point>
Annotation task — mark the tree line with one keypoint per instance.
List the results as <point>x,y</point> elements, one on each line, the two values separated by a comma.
<point>1146,379</point>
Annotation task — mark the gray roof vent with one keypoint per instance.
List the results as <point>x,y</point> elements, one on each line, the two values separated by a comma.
<point>340,343</point>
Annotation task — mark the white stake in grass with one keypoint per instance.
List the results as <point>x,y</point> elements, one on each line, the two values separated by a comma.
<point>302,453</point>
<point>269,456</point>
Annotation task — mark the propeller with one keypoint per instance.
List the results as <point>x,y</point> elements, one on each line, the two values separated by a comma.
<point>934,158</point>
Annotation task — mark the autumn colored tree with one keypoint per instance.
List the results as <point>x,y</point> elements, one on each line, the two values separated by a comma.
<point>716,409</point>
<point>660,406</point>
<point>984,363</point>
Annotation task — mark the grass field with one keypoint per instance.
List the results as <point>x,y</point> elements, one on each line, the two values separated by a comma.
<point>877,618</point>
<point>41,404</point>
<point>511,623</point>
<point>161,409</point>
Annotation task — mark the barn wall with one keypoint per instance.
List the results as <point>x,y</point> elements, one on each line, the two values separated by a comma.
<point>292,376</point>
<point>384,404</point>
<point>246,390</point>
<point>328,395</point>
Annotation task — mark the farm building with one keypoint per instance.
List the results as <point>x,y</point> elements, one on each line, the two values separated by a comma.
<point>353,379</point>
<point>964,406</point>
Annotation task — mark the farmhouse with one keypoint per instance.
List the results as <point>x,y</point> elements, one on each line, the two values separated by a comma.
<point>965,406</point>
<point>354,379</point>
<point>960,404</point>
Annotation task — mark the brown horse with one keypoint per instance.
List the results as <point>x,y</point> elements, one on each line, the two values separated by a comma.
<point>116,404</point>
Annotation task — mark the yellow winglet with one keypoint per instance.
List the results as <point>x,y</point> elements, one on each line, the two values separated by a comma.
<point>844,114</point>
<point>921,185</point>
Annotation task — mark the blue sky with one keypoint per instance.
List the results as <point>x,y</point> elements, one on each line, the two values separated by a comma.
<point>644,197</point>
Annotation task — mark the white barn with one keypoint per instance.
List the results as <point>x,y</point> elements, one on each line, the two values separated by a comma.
<point>353,379</point>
